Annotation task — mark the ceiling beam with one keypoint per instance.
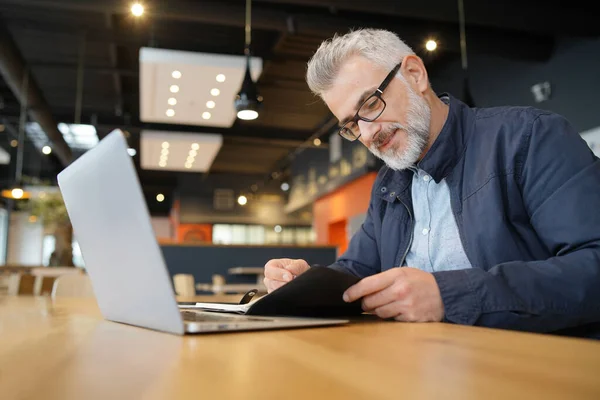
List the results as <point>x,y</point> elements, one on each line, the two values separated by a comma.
<point>13,68</point>
<point>531,16</point>
<point>503,42</point>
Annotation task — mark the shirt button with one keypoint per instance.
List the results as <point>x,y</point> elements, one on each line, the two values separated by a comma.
<point>425,231</point>
<point>426,178</point>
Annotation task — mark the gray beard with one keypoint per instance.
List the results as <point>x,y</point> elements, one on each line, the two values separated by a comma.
<point>417,133</point>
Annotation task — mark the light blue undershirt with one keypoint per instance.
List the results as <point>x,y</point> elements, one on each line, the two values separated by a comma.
<point>436,244</point>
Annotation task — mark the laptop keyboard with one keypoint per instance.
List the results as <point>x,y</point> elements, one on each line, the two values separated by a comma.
<point>191,316</point>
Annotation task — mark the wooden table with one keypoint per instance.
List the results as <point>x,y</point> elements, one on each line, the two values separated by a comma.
<point>65,350</point>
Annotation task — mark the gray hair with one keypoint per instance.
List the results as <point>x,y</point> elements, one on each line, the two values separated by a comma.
<point>382,47</point>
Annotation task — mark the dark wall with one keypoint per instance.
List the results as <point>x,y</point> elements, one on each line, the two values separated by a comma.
<point>265,207</point>
<point>573,71</point>
<point>204,261</point>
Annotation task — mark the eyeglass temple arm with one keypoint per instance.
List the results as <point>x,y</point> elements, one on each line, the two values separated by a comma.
<point>388,78</point>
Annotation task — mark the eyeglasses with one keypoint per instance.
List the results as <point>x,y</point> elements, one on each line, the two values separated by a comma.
<point>369,110</point>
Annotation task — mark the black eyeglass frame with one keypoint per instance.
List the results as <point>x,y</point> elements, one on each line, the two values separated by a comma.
<point>378,92</point>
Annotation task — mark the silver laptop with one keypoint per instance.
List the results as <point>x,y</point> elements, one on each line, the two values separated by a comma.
<point>112,224</point>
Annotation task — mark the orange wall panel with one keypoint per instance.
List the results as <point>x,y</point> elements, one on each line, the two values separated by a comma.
<point>337,207</point>
<point>194,233</point>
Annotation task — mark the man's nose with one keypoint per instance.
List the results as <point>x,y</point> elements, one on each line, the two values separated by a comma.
<point>368,130</point>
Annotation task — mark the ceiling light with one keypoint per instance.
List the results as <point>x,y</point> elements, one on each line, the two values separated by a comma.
<point>131,152</point>
<point>164,152</point>
<point>174,89</point>
<point>431,45</point>
<point>17,193</point>
<point>162,164</point>
<point>172,101</point>
<point>317,142</point>
<point>242,200</point>
<point>210,104</point>
<point>14,143</point>
<point>221,78</point>
<point>195,146</point>
<point>193,153</point>
<point>165,145</point>
<point>188,165</point>
<point>176,74</point>
<point>247,102</point>
<point>137,9</point>
<point>277,228</point>
<point>190,160</point>
<point>247,114</point>
<point>215,92</point>
<point>160,197</point>
<point>170,112</point>
<point>46,150</point>
<point>206,115</point>
<point>285,186</point>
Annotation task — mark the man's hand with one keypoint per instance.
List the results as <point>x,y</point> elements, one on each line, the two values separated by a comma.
<point>405,294</point>
<point>280,271</point>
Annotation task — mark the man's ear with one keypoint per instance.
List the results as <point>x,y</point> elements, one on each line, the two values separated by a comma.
<point>415,72</point>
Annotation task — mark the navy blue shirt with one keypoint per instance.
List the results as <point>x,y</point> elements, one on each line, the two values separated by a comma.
<point>524,190</point>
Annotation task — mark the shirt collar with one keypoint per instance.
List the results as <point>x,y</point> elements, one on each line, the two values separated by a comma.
<point>443,155</point>
<point>450,143</point>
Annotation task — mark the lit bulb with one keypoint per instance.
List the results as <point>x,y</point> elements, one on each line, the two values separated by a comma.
<point>215,92</point>
<point>431,45</point>
<point>193,153</point>
<point>195,146</point>
<point>188,165</point>
<point>14,143</point>
<point>285,186</point>
<point>162,164</point>
<point>172,101</point>
<point>137,9</point>
<point>221,78</point>
<point>210,104</point>
<point>174,88</point>
<point>17,193</point>
<point>206,115</point>
<point>46,150</point>
<point>165,145</point>
<point>242,200</point>
<point>170,112</point>
<point>176,74</point>
<point>247,114</point>
<point>160,197</point>
<point>317,142</point>
<point>277,228</point>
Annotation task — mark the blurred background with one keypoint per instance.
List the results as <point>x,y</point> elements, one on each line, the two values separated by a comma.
<point>230,146</point>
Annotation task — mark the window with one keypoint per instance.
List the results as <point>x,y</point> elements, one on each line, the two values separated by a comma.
<point>259,234</point>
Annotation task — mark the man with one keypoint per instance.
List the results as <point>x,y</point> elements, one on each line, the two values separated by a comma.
<point>491,213</point>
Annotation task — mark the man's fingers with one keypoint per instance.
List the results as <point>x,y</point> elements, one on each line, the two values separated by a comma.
<point>297,267</point>
<point>391,310</point>
<point>278,273</point>
<point>378,299</point>
<point>273,285</point>
<point>369,285</point>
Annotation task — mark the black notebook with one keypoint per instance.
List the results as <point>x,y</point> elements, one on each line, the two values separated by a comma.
<point>317,293</point>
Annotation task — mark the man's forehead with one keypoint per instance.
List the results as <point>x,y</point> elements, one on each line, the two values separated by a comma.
<point>355,76</point>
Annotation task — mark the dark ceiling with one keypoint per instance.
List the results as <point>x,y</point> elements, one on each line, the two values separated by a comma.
<point>49,36</point>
